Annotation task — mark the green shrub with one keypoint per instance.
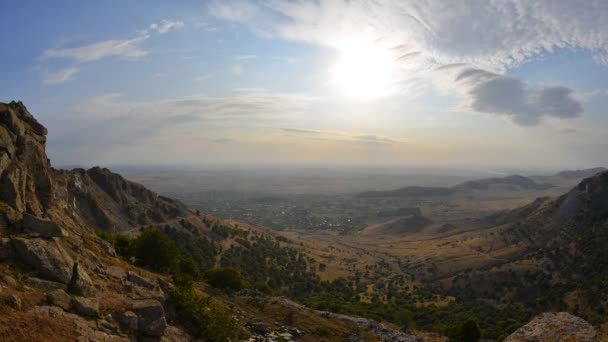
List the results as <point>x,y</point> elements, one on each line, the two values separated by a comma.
<point>202,318</point>
<point>226,278</point>
<point>155,250</point>
<point>263,287</point>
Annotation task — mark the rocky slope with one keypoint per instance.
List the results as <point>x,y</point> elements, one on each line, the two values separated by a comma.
<point>60,282</point>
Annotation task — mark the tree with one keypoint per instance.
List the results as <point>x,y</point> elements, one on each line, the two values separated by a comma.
<point>226,278</point>
<point>469,332</point>
<point>154,249</point>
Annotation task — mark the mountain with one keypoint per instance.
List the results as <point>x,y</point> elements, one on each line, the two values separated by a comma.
<point>509,183</point>
<point>514,182</point>
<point>410,191</point>
<point>88,255</point>
<point>550,254</point>
<point>584,173</point>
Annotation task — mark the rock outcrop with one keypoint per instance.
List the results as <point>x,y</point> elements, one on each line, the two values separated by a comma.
<point>555,327</point>
<point>46,256</point>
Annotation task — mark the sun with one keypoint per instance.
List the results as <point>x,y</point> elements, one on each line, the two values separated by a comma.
<point>363,71</point>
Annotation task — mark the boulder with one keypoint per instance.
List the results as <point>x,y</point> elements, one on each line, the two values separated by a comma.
<point>9,281</point>
<point>42,227</point>
<point>46,256</point>
<point>116,272</point>
<point>141,281</point>
<point>80,284</point>
<point>85,306</point>
<point>128,320</point>
<point>554,327</point>
<point>45,285</point>
<point>14,301</point>
<point>150,317</point>
<point>59,298</point>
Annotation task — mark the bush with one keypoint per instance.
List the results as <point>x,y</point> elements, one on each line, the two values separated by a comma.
<point>202,318</point>
<point>155,250</point>
<point>263,287</point>
<point>226,278</point>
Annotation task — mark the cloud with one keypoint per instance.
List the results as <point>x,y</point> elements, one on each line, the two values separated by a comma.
<point>107,124</point>
<point>431,39</point>
<point>60,76</point>
<point>339,137</point>
<point>126,48</point>
<point>244,57</point>
<point>508,96</point>
<point>237,69</point>
<point>166,25</point>
<point>130,48</point>
<point>201,78</point>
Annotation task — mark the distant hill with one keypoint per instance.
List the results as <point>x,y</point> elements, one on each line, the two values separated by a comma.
<point>410,224</point>
<point>512,183</point>
<point>584,173</point>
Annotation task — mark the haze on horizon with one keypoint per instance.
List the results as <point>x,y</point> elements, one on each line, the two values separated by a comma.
<point>509,83</point>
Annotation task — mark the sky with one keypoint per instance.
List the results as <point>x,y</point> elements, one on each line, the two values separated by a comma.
<point>470,83</point>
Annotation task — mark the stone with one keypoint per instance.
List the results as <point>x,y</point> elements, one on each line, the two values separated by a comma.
<point>80,284</point>
<point>6,249</point>
<point>88,307</point>
<point>42,227</point>
<point>9,281</point>
<point>14,301</point>
<point>554,327</point>
<point>128,320</point>
<point>46,256</point>
<point>45,285</point>
<point>150,317</point>
<point>141,281</point>
<point>59,298</point>
<point>116,272</point>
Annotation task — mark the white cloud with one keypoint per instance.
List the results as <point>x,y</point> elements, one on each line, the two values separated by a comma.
<point>244,57</point>
<point>237,69</point>
<point>60,76</point>
<point>426,37</point>
<point>166,25</point>
<point>125,48</point>
<point>201,78</point>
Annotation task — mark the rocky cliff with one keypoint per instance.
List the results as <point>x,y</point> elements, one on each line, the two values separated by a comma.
<point>31,190</point>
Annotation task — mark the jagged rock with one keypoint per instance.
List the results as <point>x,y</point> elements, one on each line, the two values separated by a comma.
<point>59,298</point>
<point>46,256</point>
<point>141,281</point>
<point>45,285</point>
<point>128,319</point>
<point>85,306</point>
<point>150,317</point>
<point>80,284</point>
<point>42,227</point>
<point>554,327</point>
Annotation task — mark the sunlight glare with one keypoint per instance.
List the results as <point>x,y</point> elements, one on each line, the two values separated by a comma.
<point>363,71</point>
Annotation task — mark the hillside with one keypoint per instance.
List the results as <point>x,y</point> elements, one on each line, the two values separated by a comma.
<point>88,255</point>
<point>509,183</point>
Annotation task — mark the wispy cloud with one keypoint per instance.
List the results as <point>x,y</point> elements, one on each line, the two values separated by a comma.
<point>60,76</point>
<point>244,57</point>
<point>339,137</point>
<point>123,48</point>
<point>166,25</point>
<point>130,48</point>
